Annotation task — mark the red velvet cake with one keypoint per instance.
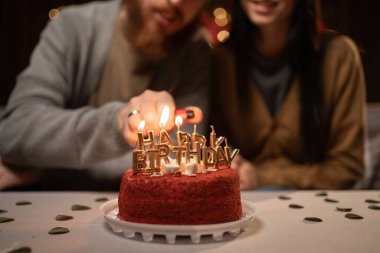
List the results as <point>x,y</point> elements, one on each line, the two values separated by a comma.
<point>207,198</point>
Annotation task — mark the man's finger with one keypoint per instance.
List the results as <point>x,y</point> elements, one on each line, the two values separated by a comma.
<point>190,114</point>
<point>132,113</point>
<point>131,138</point>
<point>133,121</point>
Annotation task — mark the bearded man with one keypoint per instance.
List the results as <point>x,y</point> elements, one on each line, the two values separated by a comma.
<point>95,65</point>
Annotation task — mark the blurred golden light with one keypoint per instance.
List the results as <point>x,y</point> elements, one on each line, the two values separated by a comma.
<point>221,22</point>
<point>221,16</point>
<point>220,13</point>
<point>53,14</point>
<point>223,35</point>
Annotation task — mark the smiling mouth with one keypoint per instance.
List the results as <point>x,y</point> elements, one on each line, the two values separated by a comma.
<point>264,6</point>
<point>166,17</point>
<point>265,2</point>
<point>170,16</point>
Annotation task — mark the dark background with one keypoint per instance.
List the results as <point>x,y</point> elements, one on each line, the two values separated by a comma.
<point>21,22</point>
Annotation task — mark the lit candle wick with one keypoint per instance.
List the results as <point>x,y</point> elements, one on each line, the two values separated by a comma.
<point>140,136</point>
<point>178,122</point>
<point>141,126</point>
<point>164,117</point>
<point>164,137</point>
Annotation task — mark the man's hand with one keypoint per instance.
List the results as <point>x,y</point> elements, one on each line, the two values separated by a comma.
<point>149,106</point>
<point>247,173</point>
<point>9,178</point>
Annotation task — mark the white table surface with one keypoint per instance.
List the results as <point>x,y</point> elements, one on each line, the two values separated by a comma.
<point>277,228</point>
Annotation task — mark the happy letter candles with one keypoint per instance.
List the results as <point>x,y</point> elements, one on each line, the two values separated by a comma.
<point>191,150</point>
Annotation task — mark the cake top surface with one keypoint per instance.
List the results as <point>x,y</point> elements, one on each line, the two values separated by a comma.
<point>209,176</point>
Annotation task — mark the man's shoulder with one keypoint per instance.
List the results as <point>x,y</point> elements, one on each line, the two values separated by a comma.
<point>83,23</point>
<point>89,12</point>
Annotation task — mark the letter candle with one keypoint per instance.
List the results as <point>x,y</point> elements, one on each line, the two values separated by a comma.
<point>154,161</point>
<point>179,150</point>
<point>195,137</point>
<point>139,163</point>
<point>195,152</point>
<point>164,152</point>
<point>209,157</point>
<point>164,137</point>
<point>192,153</point>
<point>182,137</point>
<point>230,156</point>
<point>227,152</point>
<point>219,141</point>
<point>178,122</point>
<point>221,157</point>
<point>141,139</point>
<point>140,134</point>
<point>212,137</point>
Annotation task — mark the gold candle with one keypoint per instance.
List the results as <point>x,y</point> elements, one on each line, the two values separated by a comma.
<point>140,134</point>
<point>179,150</point>
<point>195,152</point>
<point>139,163</point>
<point>230,156</point>
<point>212,137</point>
<point>182,138</point>
<point>219,141</point>
<point>209,157</point>
<point>164,136</point>
<point>164,152</point>
<point>154,161</point>
<point>195,137</point>
<point>150,140</point>
<point>178,122</point>
<point>221,158</point>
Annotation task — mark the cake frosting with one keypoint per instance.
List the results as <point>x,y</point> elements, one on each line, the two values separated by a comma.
<point>204,198</point>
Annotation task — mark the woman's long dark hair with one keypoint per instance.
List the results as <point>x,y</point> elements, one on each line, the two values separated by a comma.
<point>304,47</point>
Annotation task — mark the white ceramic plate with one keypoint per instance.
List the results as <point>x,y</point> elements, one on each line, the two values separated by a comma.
<point>110,210</point>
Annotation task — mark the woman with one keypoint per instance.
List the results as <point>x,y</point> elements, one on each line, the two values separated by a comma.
<point>292,97</point>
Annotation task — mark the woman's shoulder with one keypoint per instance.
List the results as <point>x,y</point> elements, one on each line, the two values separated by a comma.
<point>340,47</point>
<point>341,66</point>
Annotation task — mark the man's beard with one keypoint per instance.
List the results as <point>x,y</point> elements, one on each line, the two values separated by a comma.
<point>149,41</point>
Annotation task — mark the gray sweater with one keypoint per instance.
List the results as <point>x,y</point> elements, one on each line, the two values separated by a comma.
<point>47,122</point>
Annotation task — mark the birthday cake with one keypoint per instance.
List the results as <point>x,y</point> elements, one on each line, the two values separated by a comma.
<point>206,198</point>
<point>196,187</point>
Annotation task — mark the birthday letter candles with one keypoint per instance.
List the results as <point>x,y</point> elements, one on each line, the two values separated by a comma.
<point>191,153</point>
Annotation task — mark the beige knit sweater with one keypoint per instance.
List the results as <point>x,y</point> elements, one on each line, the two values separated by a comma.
<point>277,140</point>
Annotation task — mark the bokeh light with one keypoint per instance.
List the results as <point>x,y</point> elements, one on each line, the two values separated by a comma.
<point>221,17</point>
<point>53,14</point>
<point>223,35</point>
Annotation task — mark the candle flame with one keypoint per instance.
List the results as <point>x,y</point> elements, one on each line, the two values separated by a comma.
<point>164,116</point>
<point>178,121</point>
<point>141,126</point>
